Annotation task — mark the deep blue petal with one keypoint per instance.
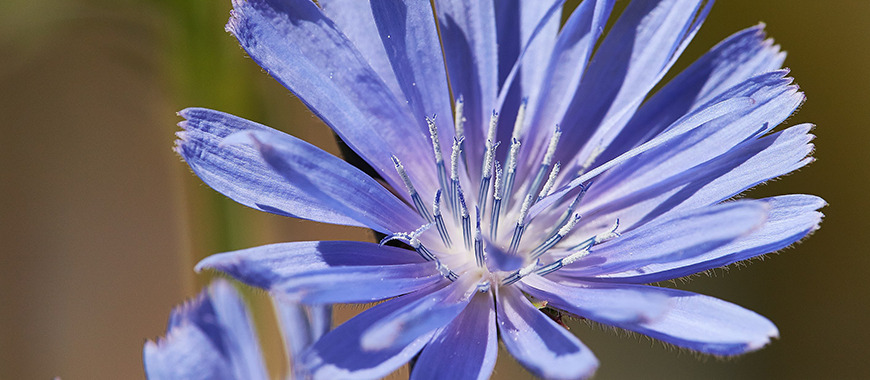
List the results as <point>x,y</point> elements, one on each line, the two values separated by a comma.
<point>210,337</point>
<point>464,349</point>
<point>734,60</point>
<point>303,188</point>
<point>539,344</point>
<point>468,36</point>
<point>680,236</point>
<point>339,354</point>
<point>358,284</point>
<point>409,35</point>
<point>304,50</point>
<point>791,218</point>
<point>637,52</point>
<point>268,265</point>
<point>604,303</point>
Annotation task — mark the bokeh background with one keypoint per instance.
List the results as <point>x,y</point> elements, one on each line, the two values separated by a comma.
<point>101,223</point>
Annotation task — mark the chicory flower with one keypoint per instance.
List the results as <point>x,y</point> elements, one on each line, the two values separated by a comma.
<point>523,163</point>
<point>212,337</point>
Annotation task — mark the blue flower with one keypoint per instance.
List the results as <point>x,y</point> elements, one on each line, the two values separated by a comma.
<point>212,337</point>
<point>551,177</point>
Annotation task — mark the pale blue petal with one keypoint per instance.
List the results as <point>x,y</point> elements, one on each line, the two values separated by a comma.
<point>421,317</point>
<point>358,284</point>
<point>604,303</point>
<point>210,337</point>
<point>340,354</point>
<point>791,218</point>
<point>468,36</point>
<point>563,73</point>
<point>539,344</point>
<point>681,235</point>
<point>707,325</point>
<point>721,178</point>
<point>739,57</point>
<point>241,173</point>
<point>301,326</point>
<point>268,265</point>
<point>327,178</point>
<point>304,50</point>
<point>464,349</point>
<point>355,20</point>
<point>637,52</point>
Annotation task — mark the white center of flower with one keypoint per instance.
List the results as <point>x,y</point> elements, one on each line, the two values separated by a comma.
<point>488,248</point>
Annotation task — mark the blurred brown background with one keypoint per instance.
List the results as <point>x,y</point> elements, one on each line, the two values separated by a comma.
<point>100,222</point>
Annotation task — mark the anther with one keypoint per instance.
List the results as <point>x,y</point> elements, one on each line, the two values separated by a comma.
<point>486,175</point>
<point>550,182</point>
<point>567,214</point>
<point>454,175</point>
<point>459,121</point>
<point>496,202</point>
<point>415,197</point>
<point>436,148</point>
<point>412,240</point>
<point>553,240</point>
<point>511,170</point>
<point>545,164</point>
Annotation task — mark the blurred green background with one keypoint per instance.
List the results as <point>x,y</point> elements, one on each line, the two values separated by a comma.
<point>101,223</point>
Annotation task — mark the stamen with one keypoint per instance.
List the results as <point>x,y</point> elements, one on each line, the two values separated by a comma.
<point>415,197</point>
<point>567,214</point>
<point>466,221</point>
<point>478,242</point>
<point>550,182</point>
<point>537,252</point>
<point>454,175</point>
<point>600,238</point>
<point>521,117</point>
<point>496,202</point>
<point>436,148</point>
<point>446,272</point>
<point>412,240</point>
<point>439,220</point>
<point>559,264</point>
<point>590,160</point>
<point>545,164</point>
<point>511,170</point>
<point>523,272</point>
<point>521,225</point>
<point>486,173</point>
<point>459,122</point>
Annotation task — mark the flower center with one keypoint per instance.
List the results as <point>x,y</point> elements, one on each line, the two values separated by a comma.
<point>488,249</point>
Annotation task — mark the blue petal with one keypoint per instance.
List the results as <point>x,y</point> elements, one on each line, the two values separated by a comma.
<point>329,179</point>
<point>734,60</point>
<point>707,324</point>
<point>603,303</point>
<point>539,344</point>
<point>301,48</point>
<point>301,326</point>
<point>564,71</point>
<point>358,284</point>
<point>640,48</point>
<point>729,108</point>
<point>774,99</point>
<point>268,265</point>
<point>210,337</point>
<point>791,218</point>
<point>464,349</point>
<point>468,37</point>
<point>355,20</point>
<point>721,178</point>
<point>340,354</point>
<point>421,317</point>
<point>523,25</point>
<point>677,237</point>
<point>307,185</point>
